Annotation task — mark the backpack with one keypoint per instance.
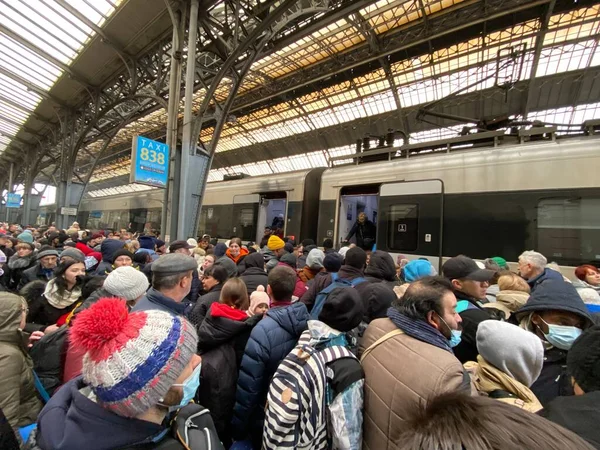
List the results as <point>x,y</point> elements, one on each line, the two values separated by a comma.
<point>296,414</point>
<point>335,283</point>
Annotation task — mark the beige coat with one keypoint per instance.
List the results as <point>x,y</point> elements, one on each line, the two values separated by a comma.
<point>400,374</point>
<point>488,378</point>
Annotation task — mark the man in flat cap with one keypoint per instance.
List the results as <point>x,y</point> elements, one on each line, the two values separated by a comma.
<point>171,283</point>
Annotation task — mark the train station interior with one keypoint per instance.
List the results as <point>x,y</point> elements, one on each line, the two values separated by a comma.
<point>299,224</point>
<point>275,87</point>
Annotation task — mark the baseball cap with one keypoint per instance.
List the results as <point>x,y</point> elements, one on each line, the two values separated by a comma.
<point>464,267</point>
<point>176,245</point>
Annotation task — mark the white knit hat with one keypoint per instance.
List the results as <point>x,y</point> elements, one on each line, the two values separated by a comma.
<point>192,241</point>
<point>126,282</point>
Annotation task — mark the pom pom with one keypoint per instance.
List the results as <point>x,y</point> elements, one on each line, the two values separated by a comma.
<point>260,288</point>
<point>98,325</point>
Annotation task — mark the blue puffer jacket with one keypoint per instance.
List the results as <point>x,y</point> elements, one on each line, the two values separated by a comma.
<point>270,341</point>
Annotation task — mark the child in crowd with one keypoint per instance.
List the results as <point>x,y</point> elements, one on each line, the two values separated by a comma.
<point>259,302</point>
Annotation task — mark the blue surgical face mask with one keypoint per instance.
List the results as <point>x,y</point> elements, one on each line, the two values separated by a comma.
<point>190,386</point>
<point>561,336</point>
<point>455,335</point>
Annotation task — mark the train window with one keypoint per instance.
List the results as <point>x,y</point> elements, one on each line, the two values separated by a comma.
<point>403,227</point>
<point>569,229</point>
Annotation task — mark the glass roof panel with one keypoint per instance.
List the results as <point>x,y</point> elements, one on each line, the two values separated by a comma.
<point>39,27</point>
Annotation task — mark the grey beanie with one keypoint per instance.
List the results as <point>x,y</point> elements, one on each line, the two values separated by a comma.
<point>46,251</point>
<point>74,253</point>
<point>315,258</point>
<point>126,282</point>
<point>511,349</point>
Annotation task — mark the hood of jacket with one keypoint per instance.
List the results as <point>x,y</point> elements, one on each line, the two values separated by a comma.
<point>11,307</point>
<point>71,420</point>
<point>488,378</point>
<point>236,259</point>
<point>292,319</point>
<point>513,300</point>
<point>381,266</point>
<point>558,295</point>
<point>219,328</point>
<point>109,247</point>
<point>254,260</point>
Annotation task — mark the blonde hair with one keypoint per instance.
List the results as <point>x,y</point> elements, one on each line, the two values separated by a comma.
<point>508,281</point>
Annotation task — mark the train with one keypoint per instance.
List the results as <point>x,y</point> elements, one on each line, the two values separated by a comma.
<point>496,200</point>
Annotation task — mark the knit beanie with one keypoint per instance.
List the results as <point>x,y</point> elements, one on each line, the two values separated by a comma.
<point>126,282</point>
<point>220,249</point>
<point>74,253</point>
<point>332,262</point>
<point>46,250</point>
<point>583,360</point>
<point>511,349</point>
<point>122,252</point>
<point>356,257</point>
<point>26,236</point>
<point>416,270</point>
<point>315,258</point>
<point>307,242</point>
<point>131,359</point>
<point>192,241</point>
<point>258,297</point>
<point>275,243</point>
<point>343,309</point>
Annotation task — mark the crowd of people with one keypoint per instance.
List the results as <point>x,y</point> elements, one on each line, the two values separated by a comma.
<point>110,340</point>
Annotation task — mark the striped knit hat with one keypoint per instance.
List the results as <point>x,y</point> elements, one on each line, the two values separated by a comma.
<point>131,360</point>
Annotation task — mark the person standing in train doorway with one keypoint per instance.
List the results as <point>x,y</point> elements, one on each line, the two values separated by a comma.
<point>365,231</point>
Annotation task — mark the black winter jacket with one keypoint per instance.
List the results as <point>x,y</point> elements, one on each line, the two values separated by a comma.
<point>346,273</point>
<point>366,230</point>
<point>578,413</point>
<point>554,379</point>
<point>472,314</point>
<point>222,338</point>
<point>200,310</point>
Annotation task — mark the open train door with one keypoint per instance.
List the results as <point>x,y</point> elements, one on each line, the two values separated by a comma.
<point>244,216</point>
<point>410,219</point>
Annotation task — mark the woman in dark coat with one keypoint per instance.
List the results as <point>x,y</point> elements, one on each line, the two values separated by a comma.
<point>222,338</point>
<point>61,296</point>
<point>255,274</point>
<point>213,279</point>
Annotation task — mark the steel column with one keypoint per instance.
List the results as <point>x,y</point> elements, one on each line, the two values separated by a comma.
<point>168,226</point>
<point>188,146</point>
<point>11,174</point>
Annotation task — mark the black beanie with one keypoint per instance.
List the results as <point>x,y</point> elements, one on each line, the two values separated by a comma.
<point>356,257</point>
<point>343,309</point>
<point>583,360</point>
<point>307,242</point>
<point>328,243</point>
<point>332,262</point>
<point>122,252</point>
